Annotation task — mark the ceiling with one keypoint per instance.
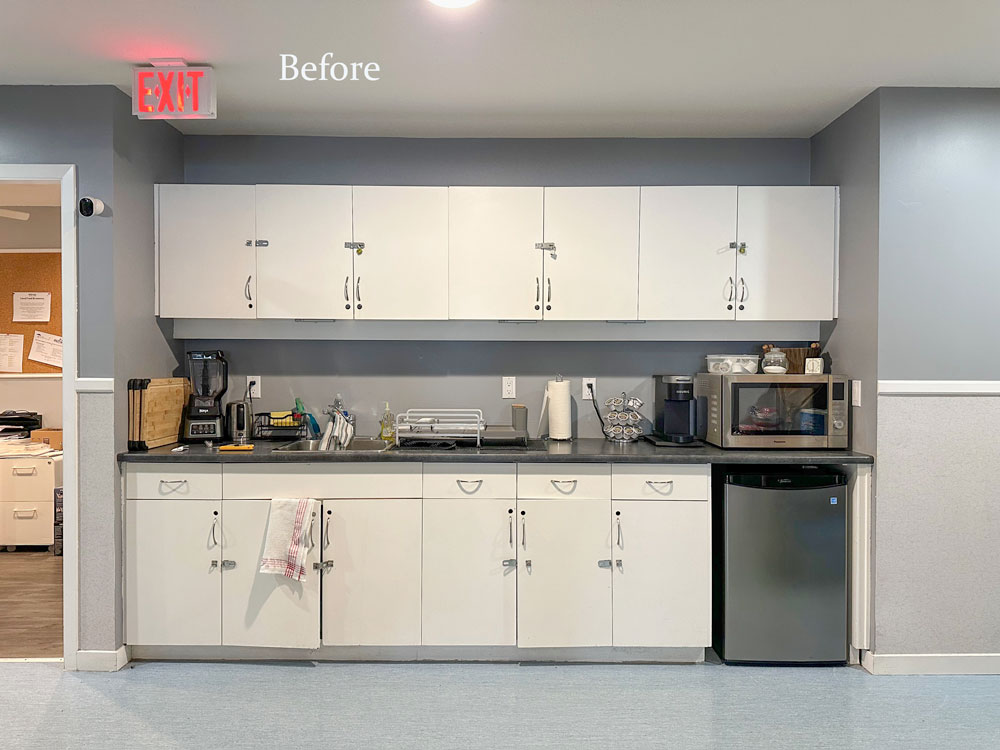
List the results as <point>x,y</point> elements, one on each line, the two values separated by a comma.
<point>520,68</point>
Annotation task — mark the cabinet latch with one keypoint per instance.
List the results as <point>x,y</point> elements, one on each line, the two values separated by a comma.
<point>323,566</point>
<point>548,247</point>
<point>357,247</point>
<point>261,243</point>
<point>603,563</point>
<point>510,563</point>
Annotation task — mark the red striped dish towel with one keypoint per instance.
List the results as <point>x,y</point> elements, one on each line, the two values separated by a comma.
<point>289,537</point>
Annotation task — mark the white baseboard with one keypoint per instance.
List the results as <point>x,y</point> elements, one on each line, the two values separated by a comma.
<point>102,661</point>
<point>931,663</point>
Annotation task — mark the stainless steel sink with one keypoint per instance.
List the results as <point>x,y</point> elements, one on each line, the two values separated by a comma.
<point>371,445</point>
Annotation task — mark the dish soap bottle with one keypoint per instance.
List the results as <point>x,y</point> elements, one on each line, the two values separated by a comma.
<point>388,425</point>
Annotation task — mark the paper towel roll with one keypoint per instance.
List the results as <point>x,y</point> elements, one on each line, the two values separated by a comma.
<point>559,404</point>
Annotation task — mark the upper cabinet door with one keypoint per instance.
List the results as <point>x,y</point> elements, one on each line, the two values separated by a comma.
<point>593,272</point>
<point>207,264</point>
<point>687,267</point>
<point>304,270</point>
<point>788,268</point>
<point>495,271</point>
<point>402,273</point>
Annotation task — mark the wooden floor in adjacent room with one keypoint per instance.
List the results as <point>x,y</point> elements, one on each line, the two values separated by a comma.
<point>30,605</point>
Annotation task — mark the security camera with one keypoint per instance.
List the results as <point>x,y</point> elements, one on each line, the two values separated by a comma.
<point>91,207</point>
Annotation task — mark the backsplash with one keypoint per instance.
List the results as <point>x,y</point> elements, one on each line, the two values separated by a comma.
<point>455,374</point>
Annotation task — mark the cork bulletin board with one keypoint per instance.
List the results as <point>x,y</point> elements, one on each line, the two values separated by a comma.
<point>31,272</point>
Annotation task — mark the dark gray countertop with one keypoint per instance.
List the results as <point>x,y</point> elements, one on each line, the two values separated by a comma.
<point>583,450</point>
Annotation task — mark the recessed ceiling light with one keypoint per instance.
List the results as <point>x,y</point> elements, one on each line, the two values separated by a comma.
<point>453,3</point>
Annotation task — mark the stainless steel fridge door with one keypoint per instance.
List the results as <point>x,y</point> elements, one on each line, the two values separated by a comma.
<point>785,575</point>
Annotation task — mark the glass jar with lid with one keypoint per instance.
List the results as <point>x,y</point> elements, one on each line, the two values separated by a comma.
<point>775,362</point>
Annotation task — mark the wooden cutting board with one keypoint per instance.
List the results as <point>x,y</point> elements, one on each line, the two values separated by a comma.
<point>156,410</point>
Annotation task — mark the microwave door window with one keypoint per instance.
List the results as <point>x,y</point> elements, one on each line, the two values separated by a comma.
<point>779,409</point>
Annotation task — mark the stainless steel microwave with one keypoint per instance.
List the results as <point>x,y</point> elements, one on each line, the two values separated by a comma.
<point>773,411</point>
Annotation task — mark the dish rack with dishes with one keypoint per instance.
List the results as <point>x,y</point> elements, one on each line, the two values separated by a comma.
<point>292,427</point>
<point>428,426</point>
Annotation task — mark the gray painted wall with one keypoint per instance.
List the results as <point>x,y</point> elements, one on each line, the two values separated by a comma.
<point>72,125</point>
<point>453,374</point>
<point>496,161</point>
<point>846,153</point>
<point>938,264</point>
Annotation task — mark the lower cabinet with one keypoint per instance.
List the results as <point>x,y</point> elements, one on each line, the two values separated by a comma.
<point>564,573</point>
<point>173,582</point>
<point>371,592</point>
<point>662,573</point>
<point>264,609</point>
<point>469,572</point>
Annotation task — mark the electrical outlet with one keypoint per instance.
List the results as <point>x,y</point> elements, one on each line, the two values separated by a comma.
<point>255,389</point>
<point>508,387</point>
<point>587,395</point>
<point>855,393</point>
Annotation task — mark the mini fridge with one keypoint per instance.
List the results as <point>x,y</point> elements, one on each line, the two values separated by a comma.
<point>780,572</point>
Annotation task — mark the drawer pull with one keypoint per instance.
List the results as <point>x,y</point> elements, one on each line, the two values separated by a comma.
<point>24,471</point>
<point>655,484</point>
<point>462,482</point>
<point>18,513</point>
<point>173,484</point>
<point>557,483</point>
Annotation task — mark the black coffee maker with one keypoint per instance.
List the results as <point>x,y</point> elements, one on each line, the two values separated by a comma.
<point>675,408</point>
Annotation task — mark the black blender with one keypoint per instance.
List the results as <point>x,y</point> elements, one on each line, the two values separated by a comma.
<point>209,376</point>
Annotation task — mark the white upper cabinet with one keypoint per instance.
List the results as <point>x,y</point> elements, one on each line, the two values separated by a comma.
<point>402,272</point>
<point>207,262</point>
<point>593,272</point>
<point>686,265</point>
<point>787,270</point>
<point>303,268</point>
<point>495,271</point>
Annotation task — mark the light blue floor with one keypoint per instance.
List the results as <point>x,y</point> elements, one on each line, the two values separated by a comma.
<point>323,706</point>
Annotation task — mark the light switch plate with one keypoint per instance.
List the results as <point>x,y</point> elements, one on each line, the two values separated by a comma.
<point>255,391</point>
<point>586,395</point>
<point>508,387</point>
<point>855,393</point>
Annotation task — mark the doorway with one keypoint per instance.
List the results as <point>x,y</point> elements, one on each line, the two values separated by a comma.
<point>37,412</point>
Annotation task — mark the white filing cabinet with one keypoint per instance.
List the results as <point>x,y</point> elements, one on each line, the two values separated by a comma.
<point>27,499</point>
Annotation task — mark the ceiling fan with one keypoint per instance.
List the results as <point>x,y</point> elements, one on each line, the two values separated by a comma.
<point>7,213</point>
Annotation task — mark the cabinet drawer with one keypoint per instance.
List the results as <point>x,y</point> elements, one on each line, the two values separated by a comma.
<point>470,480</point>
<point>679,482</point>
<point>27,522</point>
<point>579,481</point>
<point>188,482</point>
<point>27,479</point>
<point>323,481</point>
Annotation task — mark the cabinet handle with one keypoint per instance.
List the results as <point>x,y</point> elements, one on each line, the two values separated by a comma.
<point>24,471</point>
<point>312,523</point>
<point>655,483</point>
<point>727,289</point>
<point>215,542</point>
<point>477,482</point>
<point>620,545</point>
<point>557,482</point>
<point>33,513</point>
<point>538,289</point>
<point>347,282</point>
<point>510,530</point>
<point>357,290</point>
<point>549,281</point>
<point>524,536</point>
<point>743,290</point>
<point>246,289</point>
<point>326,534</point>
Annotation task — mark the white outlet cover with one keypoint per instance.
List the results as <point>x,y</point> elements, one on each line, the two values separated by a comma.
<point>855,393</point>
<point>585,393</point>
<point>255,391</point>
<point>508,387</point>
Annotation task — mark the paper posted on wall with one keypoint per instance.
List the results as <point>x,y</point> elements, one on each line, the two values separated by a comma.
<point>11,351</point>
<point>47,349</point>
<point>32,307</point>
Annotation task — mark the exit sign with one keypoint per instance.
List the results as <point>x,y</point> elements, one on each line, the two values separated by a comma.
<point>170,90</point>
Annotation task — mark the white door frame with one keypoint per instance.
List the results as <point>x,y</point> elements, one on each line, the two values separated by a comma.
<point>65,175</point>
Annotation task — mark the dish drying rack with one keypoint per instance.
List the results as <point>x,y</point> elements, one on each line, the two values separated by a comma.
<point>436,425</point>
<point>285,428</point>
